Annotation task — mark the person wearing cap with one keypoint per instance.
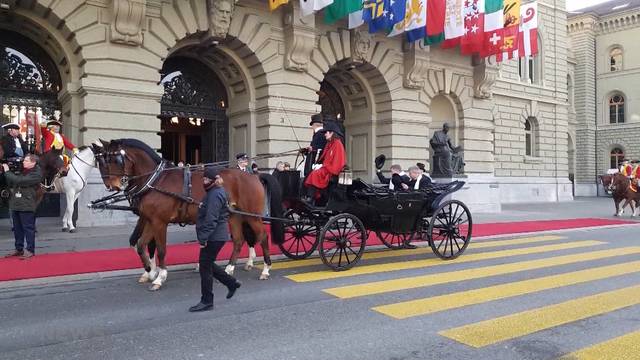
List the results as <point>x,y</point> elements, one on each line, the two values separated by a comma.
<point>243,162</point>
<point>318,143</point>
<point>12,143</point>
<point>53,140</point>
<point>332,159</point>
<point>212,230</point>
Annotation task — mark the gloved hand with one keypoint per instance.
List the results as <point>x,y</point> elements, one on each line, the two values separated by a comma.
<point>75,151</point>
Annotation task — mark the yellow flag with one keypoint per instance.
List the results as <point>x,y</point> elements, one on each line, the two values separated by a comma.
<point>274,4</point>
<point>511,13</point>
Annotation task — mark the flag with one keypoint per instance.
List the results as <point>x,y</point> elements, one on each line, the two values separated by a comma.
<point>528,42</point>
<point>376,15</point>
<point>472,40</point>
<point>355,19</point>
<point>416,20</point>
<point>274,4</point>
<point>398,16</point>
<point>453,23</point>
<point>436,10</point>
<point>493,25</point>
<point>510,30</point>
<point>308,7</point>
<point>340,9</point>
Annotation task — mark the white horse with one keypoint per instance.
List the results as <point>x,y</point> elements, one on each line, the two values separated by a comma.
<point>72,185</point>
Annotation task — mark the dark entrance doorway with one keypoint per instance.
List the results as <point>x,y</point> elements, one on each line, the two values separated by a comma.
<point>194,125</point>
<point>29,87</point>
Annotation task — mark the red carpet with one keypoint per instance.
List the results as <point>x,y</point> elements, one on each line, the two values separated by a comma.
<point>47,265</point>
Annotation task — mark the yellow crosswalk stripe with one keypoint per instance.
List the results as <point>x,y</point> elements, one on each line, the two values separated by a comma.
<point>414,282</point>
<point>416,264</point>
<point>383,254</point>
<point>517,325</point>
<point>407,309</point>
<point>625,347</point>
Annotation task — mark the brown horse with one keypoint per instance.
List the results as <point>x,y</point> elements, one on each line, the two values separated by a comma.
<point>157,191</point>
<point>619,186</point>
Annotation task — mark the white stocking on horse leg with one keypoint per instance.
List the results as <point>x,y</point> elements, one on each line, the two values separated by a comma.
<point>229,269</point>
<point>151,274</point>
<point>265,272</point>
<point>160,280</point>
<point>252,255</point>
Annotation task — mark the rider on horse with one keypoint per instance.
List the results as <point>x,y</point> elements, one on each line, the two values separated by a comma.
<point>53,140</point>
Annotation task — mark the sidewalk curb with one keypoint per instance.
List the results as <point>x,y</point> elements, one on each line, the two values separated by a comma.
<point>101,275</point>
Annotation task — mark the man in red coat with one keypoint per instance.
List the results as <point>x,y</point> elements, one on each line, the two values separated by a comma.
<point>53,140</point>
<point>332,159</point>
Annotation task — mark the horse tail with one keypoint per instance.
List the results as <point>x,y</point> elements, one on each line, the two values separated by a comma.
<point>276,209</point>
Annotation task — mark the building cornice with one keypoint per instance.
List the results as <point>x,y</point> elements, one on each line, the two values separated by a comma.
<point>619,21</point>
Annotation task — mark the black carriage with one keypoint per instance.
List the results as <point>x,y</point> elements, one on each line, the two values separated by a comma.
<point>340,228</point>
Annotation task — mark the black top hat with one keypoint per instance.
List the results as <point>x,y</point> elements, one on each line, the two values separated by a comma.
<point>421,166</point>
<point>333,127</point>
<point>10,126</point>
<point>242,156</point>
<point>380,159</point>
<point>316,119</point>
<point>54,122</point>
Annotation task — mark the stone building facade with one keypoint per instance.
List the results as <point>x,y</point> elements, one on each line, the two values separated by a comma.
<point>606,74</point>
<point>124,66</point>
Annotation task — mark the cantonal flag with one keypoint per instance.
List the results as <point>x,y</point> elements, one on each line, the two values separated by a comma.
<point>436,10</point>
<point>511,15</point>
<point>355,19</point>
<point>274,4</point>
<point>473,38</point>
<point>416,20</point>
<point>398,16</point>
<point>453,23</point>
<point>308,7</point>
<point>340,9</point>
<point>528,42</point>
<point>493,26</point>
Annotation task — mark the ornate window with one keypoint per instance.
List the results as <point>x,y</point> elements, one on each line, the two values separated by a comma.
<point>530,137</point>
<point>616,157</point>
<point>616,109</point>
<point>615,59</point>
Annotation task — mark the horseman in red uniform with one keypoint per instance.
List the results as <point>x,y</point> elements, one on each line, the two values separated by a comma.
<point>332,160</point>
<point>53,140</point>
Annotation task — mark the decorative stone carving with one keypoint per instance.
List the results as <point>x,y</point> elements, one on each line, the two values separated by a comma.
<point>485,72</point>
<point>416,65</point>
<point>299,39</point>
<point>220,12</point>
<point>360,46</point>
<point>128,21</point>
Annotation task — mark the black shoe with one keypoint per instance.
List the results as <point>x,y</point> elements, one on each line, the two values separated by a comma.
<point>233,288</point>
<point>201,307</point>
<point>408,245</point>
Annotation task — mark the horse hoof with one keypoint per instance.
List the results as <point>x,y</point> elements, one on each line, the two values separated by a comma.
<point>65,229</point>
<point>72,231</point>
<point>264,277</point>
<point>248,267</point>
<point>143,279</point>
<point>155,287</point>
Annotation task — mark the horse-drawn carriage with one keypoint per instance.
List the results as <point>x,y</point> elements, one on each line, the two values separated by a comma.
<point>340,228</point>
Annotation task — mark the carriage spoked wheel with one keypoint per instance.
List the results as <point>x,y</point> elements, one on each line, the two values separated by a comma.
<point>394,241</point>
<point>342,241</point>
<point>449,230</point>
<point>300,239</point>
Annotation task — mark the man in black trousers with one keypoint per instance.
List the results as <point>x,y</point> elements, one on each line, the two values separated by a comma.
<point>212,229</point>
<point>317,143</point>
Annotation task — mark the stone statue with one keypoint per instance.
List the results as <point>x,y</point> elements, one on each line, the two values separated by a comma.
<point>361,43</point>
<point>220,12</point>
<point>447,159</point>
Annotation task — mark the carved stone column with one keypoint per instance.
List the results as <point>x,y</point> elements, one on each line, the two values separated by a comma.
<point>128,21</point>
<point>299,38</point>
<point>485,72</point>
<point>416,65</point>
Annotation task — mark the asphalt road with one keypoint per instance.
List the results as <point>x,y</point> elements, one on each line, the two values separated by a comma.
<point>489,306</point>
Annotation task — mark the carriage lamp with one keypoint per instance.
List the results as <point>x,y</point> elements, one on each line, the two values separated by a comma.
<point>345,177</point>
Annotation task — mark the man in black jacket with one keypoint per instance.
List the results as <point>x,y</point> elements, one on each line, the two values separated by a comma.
<point>318,142</point>
<point>398,177</point>
<point>418,180</point>
<point>12,143</point>
<point>212,229</point>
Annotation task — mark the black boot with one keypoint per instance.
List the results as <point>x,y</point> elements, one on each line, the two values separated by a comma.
<point>201,307</point>
<point>233,288</point>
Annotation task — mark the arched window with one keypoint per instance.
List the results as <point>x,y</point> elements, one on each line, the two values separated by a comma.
<point>530,136</point>
<point>616,109</point>
<point>615,59</point>
<point>616,157</point>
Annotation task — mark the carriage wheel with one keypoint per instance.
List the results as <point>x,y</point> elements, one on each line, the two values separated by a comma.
<point>450,229</point>
<point>394,241</point>
<point>342,242</point>
<point>300,239</point>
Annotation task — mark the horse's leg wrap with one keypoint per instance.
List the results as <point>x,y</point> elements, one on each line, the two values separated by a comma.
<point>160,280</point>
<point>252,256</point>
<point>229,269</point>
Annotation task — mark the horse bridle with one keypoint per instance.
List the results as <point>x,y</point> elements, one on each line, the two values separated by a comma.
<point>119,157</point>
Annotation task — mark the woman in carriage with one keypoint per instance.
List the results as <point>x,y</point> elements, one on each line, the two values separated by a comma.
<point>332,161</point>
